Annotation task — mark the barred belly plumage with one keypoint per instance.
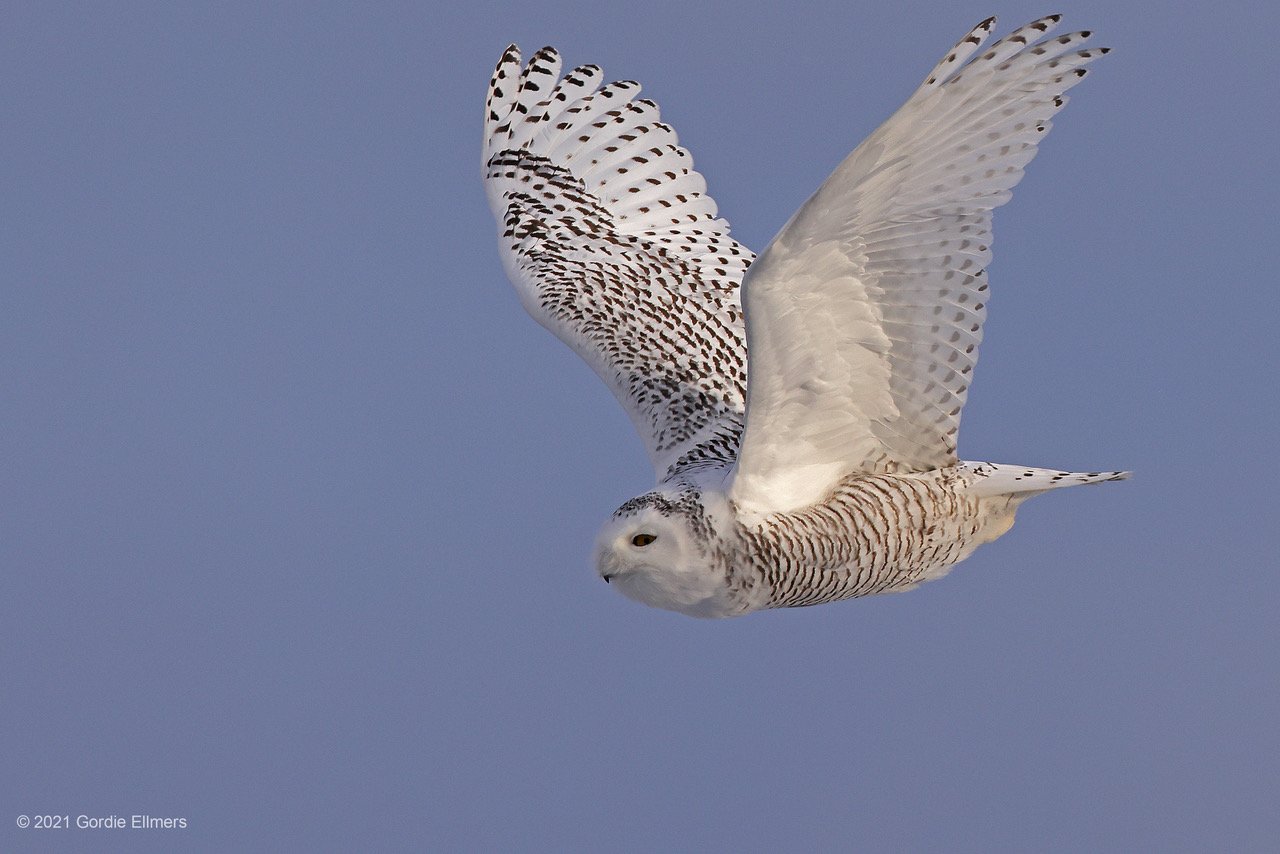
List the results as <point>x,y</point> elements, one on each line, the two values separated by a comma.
<point>875,534</point>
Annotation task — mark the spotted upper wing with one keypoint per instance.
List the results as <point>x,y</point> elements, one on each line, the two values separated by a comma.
<point>613,244</point>
<point>865,313</point>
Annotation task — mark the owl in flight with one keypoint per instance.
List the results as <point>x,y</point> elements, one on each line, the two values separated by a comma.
<point>800,408</point>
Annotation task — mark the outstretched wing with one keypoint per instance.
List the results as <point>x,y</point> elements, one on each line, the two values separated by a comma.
<point>864,314</point>
<point>612,243</point>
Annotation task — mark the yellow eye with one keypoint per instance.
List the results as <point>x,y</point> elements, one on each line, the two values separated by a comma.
<point>642,540</point>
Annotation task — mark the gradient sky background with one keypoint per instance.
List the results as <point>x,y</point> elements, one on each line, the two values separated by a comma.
<point>297,503</point>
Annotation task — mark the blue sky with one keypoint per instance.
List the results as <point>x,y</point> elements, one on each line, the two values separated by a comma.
<point>298,503</point>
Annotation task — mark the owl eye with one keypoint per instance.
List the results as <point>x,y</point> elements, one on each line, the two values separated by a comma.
<point>642,540</point>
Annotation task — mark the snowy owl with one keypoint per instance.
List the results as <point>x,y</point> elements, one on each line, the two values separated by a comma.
<point>828,470</point>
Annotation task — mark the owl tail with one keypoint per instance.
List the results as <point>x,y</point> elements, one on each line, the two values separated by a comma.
<point>999,479</point>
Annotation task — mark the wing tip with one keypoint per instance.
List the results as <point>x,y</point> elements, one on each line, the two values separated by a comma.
<point>546,53</point>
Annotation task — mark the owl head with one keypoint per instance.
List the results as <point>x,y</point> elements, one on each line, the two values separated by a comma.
<point>656,550</point>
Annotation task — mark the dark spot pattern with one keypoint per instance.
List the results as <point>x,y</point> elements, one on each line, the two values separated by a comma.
<point>619,253</point>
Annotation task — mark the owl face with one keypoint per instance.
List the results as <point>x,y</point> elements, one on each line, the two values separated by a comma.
<point>652,555</point>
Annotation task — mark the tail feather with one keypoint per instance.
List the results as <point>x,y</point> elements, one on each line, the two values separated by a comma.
<point>1000,479</point>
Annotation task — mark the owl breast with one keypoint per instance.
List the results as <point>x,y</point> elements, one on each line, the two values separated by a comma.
<point>872,534</point>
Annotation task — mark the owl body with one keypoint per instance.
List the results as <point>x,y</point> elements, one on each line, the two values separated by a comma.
<point>871,534</point>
